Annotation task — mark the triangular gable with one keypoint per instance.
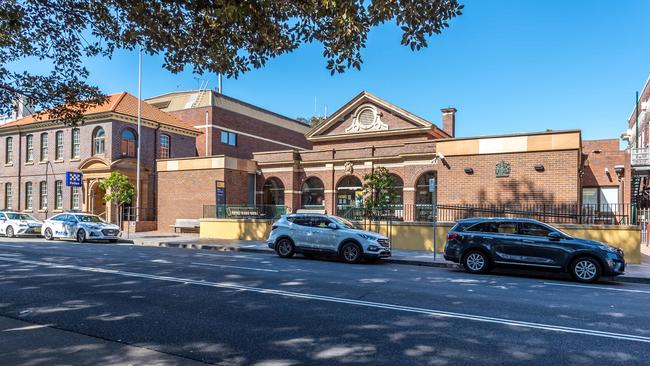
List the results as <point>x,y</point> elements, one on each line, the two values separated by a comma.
<point>366,113</point>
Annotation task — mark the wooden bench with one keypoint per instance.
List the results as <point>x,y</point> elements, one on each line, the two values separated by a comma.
<point>244,212</point>
<point>189,224</point>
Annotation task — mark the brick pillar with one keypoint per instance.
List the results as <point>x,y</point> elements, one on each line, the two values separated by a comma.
<point>409,203</point>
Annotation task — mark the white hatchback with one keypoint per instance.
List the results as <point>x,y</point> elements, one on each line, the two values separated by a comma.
<point>19,224</point>
<point>80,226</point>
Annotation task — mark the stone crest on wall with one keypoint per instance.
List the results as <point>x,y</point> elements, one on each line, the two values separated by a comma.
<point>366,118</point>
<point>503,169</point>
<point>348,167</point>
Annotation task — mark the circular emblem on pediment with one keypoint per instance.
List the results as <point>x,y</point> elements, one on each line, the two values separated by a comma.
<point>366,118</point>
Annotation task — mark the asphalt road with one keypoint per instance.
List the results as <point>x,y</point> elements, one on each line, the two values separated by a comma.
<point>256,309</point>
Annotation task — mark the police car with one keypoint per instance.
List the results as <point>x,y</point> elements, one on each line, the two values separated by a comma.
<point>79,226</point>
<point>18,224</point>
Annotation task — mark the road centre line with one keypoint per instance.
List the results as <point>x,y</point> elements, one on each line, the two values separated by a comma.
<point>377,305</point>
<point>592,287</point>
<point>237,267</point>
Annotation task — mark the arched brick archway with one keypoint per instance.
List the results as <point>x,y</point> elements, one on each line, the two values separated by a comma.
<point>273,192</point>
<point>312,193</point>
<point>348,193</point>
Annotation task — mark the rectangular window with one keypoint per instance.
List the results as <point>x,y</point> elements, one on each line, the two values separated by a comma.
<point>58,153</point>
<point>75,198</point>
<point>29,152</point>
<point>58,195</point>
<point>8,197</point>
<point>76,143</point>
<point>44,147</point>
<point>164,147</point>
<point>228,138</point>
<point>9,150</point>
<point>29,198</point>
<point>42,202</point>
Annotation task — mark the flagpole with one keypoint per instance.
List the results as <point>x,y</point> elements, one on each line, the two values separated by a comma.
<point>137,174</point>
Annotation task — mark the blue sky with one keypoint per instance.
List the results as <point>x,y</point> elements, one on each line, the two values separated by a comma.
<point>508,66</point>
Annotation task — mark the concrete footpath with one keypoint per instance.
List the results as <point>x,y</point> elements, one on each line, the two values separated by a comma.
<point>638,273</point>
<point>32,344</point>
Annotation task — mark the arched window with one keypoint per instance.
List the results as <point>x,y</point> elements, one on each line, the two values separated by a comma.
<point>9,150</point>
<point>273,192</point>
<point>422,194</point>
<point>127,145</point>
<point>29,196</point>
<point>98,141</point>
<point>164,146</point>
<point>44,147</point>
<point>348,194</point>
<point>8,197</point>
<point>58,149</point>
<point>313,194</point>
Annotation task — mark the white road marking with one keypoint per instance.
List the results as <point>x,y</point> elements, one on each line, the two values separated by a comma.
<point>11,246</point>
<point>225,255</point>
<point>592,287</point>
<point>370,304</point>
<point>225,266</point>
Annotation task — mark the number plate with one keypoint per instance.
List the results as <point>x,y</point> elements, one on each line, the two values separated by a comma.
<point>37,230</point>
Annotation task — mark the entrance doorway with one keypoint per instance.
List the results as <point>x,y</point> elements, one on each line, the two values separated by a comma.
<point>349,195</point>
<point>97,204</point>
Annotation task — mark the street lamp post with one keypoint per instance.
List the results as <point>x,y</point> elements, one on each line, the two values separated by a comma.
<point>137,174</point>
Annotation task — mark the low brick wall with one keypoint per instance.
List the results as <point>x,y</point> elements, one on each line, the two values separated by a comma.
<point>419,236</point>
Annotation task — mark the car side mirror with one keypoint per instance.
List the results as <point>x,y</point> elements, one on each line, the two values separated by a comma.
<point>554,235</point>
<point>332,226</point>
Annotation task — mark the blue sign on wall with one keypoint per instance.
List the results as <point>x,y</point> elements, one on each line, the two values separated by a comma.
<point>73,179</point>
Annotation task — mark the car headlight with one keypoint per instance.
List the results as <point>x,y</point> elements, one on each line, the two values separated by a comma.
<point>368,237</point>
<point>607,248</point>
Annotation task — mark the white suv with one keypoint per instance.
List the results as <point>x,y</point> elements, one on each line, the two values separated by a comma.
<point>311,234</point>
<point>19,224</point>
<point>80,226</point>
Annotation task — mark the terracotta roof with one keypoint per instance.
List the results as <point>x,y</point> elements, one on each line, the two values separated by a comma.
<point>122,103</point>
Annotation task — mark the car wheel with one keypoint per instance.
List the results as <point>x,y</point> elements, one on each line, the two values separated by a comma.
<point>81,236</point>
<point>48,234</point>
<point>476,262</point>
<point>585,269</point>
<point>9,232</point>
<point>351,253</point>
<point>285,248</point>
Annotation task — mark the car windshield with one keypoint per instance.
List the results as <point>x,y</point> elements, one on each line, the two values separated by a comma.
<point>89,218</point>
<point>345,223</point>
<point>558,230</point>
<point>19,216</point>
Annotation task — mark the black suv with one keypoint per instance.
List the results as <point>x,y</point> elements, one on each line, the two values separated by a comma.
<point>480,243</point>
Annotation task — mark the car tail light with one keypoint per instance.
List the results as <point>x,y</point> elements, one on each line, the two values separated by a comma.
<point>452,236</point>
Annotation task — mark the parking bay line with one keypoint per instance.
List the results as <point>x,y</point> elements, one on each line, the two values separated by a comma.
<point>340,300</point>
<point>598,287</point>
<point>237,267</point>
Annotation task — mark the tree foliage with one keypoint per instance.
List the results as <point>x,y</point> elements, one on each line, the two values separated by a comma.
<point>117,188</point>
<point>378,190</point>
<point>221,36</point>
<point>311,121</point>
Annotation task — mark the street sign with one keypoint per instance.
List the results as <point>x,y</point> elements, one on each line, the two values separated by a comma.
<point>73,179</point>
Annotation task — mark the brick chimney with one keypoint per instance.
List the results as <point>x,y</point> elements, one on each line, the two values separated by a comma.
<point>449,120</point>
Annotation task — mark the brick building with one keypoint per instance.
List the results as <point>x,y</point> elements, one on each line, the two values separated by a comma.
<point>37,152</point>
<point>232,127</point>
<point>639,144</point>
<point>545,168</point>
<point>606,174</point>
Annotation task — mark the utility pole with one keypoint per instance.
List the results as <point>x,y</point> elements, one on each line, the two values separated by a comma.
<point>137,174</point>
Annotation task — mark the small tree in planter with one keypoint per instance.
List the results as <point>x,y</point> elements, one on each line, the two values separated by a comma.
<point>378,193</point>
<point>118,190</point>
